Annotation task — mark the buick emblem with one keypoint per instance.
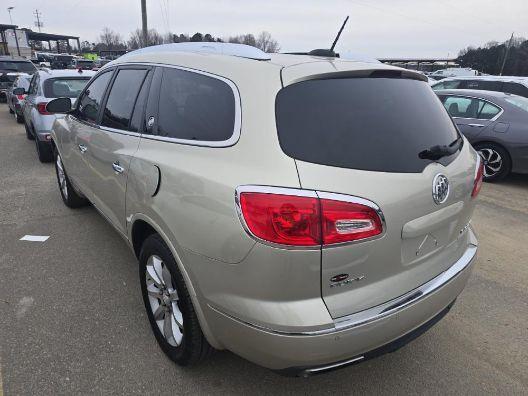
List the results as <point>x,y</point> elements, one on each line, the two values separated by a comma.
<point>440,189</point>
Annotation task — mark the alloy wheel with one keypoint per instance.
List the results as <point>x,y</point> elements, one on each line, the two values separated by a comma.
<point>492,161</point>
<point>62,178</point>
<point>164,300</point>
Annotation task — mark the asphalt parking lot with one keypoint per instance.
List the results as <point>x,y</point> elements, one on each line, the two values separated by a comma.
<point>72,320</point>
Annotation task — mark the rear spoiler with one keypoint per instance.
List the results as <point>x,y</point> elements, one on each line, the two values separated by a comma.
<point>369,73</point>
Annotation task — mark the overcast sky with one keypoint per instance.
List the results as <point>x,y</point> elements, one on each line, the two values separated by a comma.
<point>379,28</point>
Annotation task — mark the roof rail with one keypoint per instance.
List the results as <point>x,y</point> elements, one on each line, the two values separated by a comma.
<point>231,49</point>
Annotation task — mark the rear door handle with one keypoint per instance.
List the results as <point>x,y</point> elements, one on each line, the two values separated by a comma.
<point>476,125</point>
<point>117,168</point>
<point>83,148</point>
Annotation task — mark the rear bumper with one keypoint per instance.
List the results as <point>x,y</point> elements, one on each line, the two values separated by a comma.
<point>352,338</point>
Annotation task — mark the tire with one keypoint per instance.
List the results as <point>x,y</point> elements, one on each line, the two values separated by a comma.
<point>29,135</point>
<point>44,151</point>
<point>185,343</point>
<point>19,118</point>
<point>68,194</point>
<point>497,161</point>
<point>10,110</point>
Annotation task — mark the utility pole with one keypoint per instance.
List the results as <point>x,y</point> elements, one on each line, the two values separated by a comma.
<point>9,9</point>
<point>38,23</point>
<point>506,55</point>
<point>144,22</point>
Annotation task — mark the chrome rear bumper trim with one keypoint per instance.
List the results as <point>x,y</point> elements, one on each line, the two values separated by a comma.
<point>380,311</point>
<point>399,303</point>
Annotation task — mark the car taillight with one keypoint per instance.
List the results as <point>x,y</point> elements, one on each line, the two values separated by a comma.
<point>282,219</point>
<point>41,107</point>
<point>307,220</point>
<point>348,221</point>
<point>21,97</point>
<point>477,184</point>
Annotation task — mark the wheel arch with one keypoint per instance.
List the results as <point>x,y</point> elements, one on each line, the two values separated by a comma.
<point>141,228</point>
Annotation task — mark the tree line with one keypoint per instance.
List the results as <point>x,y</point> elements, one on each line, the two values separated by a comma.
<point>111,40</point>
<point>489,58</point>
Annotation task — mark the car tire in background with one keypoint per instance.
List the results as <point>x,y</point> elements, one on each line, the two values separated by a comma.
<point>10,110</point>
<point>19,118</point>
<point>497,161</point>
<point>29,135</point>
<point>69,196</point>
<point>44,152</point>
<point>169,307</point>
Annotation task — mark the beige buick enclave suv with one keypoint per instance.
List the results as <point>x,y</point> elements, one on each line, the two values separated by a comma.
<point>303,212</point>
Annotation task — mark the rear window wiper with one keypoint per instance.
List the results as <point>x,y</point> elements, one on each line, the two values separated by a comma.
<point>436,152</point>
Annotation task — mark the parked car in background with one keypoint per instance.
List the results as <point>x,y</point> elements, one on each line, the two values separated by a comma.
<point>100,63</point>
<point>16,102</point>
<point>43,59</point>
<point>9,69</point>
<point>307,237</point>
<point>46,85</point>
<point>509,84</point>
<point>496,124</point>
<point>83,64</point>
<point>452,72</point>
<point>62,61</point>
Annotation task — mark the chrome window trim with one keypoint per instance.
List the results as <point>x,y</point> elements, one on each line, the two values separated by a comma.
<point>120,131</point>
<point>381,311</point>
<point>237,125</point>
<point>311,194</point>
<point>478,98</point>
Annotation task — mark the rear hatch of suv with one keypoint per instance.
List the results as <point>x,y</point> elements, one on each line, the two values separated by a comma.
<point>365,136</point>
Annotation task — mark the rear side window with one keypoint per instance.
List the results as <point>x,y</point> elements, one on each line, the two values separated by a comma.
<point>516,89</point>
<point>90,101</point>
<point>483,85</point>
<point>194,106</point>
<point>462,107</point>
<point>64,87</point>
<point>375,124</point>
<point>122,98</point>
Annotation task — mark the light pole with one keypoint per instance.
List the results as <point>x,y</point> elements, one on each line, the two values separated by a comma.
<point>9,10</point>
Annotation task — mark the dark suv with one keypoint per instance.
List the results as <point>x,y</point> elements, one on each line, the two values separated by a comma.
<point>9,66</point>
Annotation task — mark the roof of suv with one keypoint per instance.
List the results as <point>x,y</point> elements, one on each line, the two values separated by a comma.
<point>519,79</point>
<point>49,73</point>
<point>229,59</point>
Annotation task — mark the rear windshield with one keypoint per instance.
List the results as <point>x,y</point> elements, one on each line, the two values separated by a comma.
<point>375,124</point>
<point>24,67</point>
<point>64,87</point>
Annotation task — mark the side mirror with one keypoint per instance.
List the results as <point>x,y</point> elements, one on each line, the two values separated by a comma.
<point>59,105</point>
<point>19,91</point>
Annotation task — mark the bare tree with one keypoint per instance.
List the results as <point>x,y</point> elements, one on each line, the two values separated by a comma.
<point>267,43</point>
<point>247,39</point>
<point>110,39</point>
<point>136,38</point>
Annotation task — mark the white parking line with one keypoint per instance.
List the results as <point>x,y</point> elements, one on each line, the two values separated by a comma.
<point>35,238</point>
<point>1,382</point>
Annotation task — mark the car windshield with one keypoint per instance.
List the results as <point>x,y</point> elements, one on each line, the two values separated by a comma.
<point>375,124</point>
<point>64,87</point>
<point>518,101</point>
<point>24,67</point>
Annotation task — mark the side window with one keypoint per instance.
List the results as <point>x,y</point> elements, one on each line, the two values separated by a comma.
<point>516,89</point>
<point>33,85</point>
<point>122,98</point>
<point>453,84</point>
<point>487,110</point>
<point>139,107</point>
<point>90,100</point>
<point>193,106</point>
<point>458,106</point>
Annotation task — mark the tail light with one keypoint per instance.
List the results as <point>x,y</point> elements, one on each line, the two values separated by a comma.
<point>21,97</point>
<point>41,107</point>
<point>307,219</point>
<point>477,184</point>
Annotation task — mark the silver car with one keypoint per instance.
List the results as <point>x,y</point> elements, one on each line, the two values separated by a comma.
<point>16,102</point>
<point>508,84</point>
<point>46,85</point>
<point>303,212</point>
<point>496,124</point>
